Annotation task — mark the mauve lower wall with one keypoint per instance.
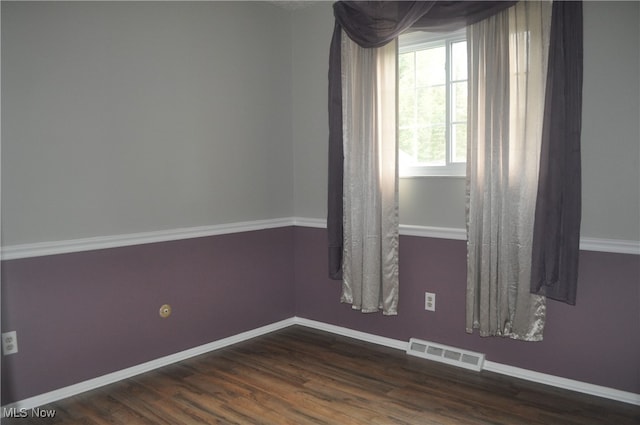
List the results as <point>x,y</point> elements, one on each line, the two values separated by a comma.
<point>83,315</point>
<point>597,341</point>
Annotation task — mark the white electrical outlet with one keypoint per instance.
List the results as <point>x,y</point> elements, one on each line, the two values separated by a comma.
<point>430,301</point>
<point>9,343</point>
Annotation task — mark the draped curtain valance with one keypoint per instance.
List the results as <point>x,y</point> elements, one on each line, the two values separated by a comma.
<point>373,24</point>
<point>558,207</point>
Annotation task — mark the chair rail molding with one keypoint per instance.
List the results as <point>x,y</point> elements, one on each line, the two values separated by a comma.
<point>38,249</point>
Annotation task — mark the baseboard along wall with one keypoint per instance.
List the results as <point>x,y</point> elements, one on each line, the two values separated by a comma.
<point>555,381</point>
<point>87,244</point>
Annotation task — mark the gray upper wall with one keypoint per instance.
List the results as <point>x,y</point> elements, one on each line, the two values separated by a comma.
<point>122,117</point>
<point>610,132</point>
<point>131,117</point>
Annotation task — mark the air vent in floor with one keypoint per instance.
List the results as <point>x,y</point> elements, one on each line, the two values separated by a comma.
<point>444,354</point>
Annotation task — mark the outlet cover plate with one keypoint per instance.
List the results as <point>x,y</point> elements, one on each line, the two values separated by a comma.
<point>430,301</point>
<point>9,343</point>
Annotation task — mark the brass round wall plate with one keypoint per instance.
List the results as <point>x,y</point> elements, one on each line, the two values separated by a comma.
<point>165,311</point>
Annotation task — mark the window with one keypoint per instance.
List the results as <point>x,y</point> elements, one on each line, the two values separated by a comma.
<point>432,104</point>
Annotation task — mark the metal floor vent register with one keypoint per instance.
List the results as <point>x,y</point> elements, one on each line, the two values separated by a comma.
<point>444,354</point>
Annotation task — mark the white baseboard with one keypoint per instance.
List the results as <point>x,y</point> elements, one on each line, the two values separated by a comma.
<point>362,336</point>
<point>12,252</point>
<point>516,372</point>
<point>91,384</point>
<point>564,383</point>
<point>555,381</point>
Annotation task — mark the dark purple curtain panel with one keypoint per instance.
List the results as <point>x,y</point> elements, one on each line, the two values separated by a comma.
<point>374,24</point>
<point>336,159</point>
<point>556,235</point>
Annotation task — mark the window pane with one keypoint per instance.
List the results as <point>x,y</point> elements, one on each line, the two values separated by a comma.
<point>432,145</point>
<point>459,61</point>
<point>431,66</point>
<point>459,94</point>
<point>432,105</point>
<point>406,95</point>
<point>406,107</point>
<point>406,69</point>
<point>459,143</point>
<point>406,145</point>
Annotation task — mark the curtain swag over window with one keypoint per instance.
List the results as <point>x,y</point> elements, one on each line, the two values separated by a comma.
<point>372,25</point>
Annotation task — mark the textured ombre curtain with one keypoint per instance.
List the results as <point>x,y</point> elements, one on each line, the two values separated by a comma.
<point>362,218</point>
<point>370,254</point>
<point>554,253</point>
<point>373,24</point>
<point>508,55</point>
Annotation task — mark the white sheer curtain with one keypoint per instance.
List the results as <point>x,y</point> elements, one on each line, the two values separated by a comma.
<point>508,64</point>
<point>370,201</point>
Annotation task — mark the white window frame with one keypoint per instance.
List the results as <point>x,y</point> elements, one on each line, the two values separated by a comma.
<point>423,40</point>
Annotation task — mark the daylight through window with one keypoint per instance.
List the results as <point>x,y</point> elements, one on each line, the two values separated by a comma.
<point>432,104</point>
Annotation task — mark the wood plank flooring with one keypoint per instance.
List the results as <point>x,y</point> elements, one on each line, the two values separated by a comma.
<point>303,376</point>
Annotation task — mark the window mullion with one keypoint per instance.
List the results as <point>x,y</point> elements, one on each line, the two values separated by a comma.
<point>415,131</point>
<point>448,129</point>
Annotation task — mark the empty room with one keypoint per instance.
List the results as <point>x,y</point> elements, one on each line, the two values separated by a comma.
<point>192,232</point>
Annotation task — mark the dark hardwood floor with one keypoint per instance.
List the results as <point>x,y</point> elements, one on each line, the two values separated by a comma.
<point>303,376</point>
